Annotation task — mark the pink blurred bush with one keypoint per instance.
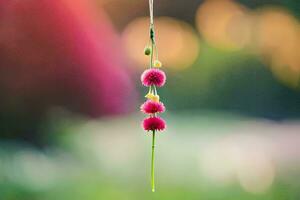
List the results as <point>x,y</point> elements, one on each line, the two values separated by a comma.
<point>61,53</point>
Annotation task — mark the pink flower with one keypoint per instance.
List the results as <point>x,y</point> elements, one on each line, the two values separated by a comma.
<point>153,77</point>
<point>154,123</point>
<point>151,107</point>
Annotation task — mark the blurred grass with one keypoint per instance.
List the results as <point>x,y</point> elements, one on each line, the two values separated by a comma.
<point>102,160</point>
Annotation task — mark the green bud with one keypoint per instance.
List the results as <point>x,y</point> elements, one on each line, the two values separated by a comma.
<point>147,51</point>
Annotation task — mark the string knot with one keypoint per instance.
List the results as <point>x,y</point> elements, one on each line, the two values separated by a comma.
<point>152,33</point>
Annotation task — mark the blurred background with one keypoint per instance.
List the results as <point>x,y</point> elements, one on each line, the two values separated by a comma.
<point>70,93</point>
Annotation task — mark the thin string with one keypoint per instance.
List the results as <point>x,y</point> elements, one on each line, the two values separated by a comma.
<point>151,2</point>
<point>151,11</point>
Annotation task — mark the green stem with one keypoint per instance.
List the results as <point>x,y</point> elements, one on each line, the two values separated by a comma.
<point>152,48</point>
<point>152,162</point>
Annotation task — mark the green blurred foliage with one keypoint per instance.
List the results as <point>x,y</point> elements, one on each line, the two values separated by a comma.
<point>235,81</point>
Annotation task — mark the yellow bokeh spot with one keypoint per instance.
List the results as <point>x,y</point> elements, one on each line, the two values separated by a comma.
<point>224,24</point>
<point>278,41</point>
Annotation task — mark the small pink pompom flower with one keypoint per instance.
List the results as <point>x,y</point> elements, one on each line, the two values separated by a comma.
<point>154,123</point>
<point>151,107</point>
<point>153,77</point>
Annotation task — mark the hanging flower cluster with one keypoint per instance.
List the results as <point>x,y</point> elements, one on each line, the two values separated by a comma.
<point>153,78</point>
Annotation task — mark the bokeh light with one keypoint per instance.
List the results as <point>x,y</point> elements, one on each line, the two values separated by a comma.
<point>256,173</point>
<point>242,158</point>
<point>279,43</point>
<point>224,24</point>
<point>177,43</point>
